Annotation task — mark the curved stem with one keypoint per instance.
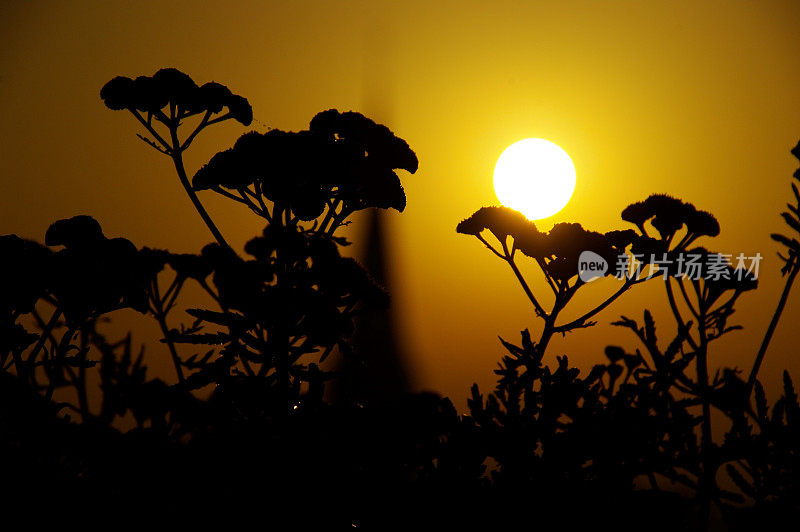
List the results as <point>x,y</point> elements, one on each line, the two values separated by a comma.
<point>686,298</point>
<point>177,159</point>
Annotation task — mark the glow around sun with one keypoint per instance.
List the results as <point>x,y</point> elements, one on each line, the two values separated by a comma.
<point>535,177</point>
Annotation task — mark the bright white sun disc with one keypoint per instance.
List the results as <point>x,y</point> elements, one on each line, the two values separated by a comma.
<point>535,177</point>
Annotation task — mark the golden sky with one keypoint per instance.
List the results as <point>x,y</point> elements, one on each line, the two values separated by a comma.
<point>700,100</point>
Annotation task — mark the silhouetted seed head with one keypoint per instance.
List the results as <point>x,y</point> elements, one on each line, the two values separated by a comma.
<point>620,240</point>
<point>118,93</point>
<point>614,353</point>
<point>564,245</point>
<point>74,232</point>
<point>669,214</point>
<point>303,170</point>
<point>23,274</point>
<point>151,94</point>
<point>93,274</point>
<point>217,254</point>
<point>647,246</point>
<point>702,223</point>
<point>636,213</point>
<point>376,141</point>
<point>190,266</point>
<point>500,221</point>
<point>737,279</point>
<point>378,187</point>
<point>175,86</point>
<point>211,96</point>
<point>227,169</point>
<point>148,96</point>
<point>240,109</point>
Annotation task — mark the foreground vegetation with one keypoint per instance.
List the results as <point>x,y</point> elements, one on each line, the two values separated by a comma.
<point>247,425</point>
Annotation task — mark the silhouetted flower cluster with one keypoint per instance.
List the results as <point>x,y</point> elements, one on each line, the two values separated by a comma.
<point>344,163</point>
<point>93,274</point>
<point>171,87</point>
<point>169,98</point>
<point>668,215</point>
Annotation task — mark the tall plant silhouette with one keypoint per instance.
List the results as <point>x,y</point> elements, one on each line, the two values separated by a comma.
<point>298,296</point>
<point>168,98</point>
<point>527,390</point>
<point>557,254</point>
<point>791,266</point>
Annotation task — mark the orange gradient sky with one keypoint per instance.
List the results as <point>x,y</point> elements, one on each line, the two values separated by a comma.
<point>700,100</point>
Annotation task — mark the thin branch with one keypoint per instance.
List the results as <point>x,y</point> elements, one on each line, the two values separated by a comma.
<point>580,321</point>
<point>245,200</point>
<point>46,334</point>
<point>146,124</point>
<point>542,265</point>
<point>161,318</point>
<point>329,215</point>
<point>152,144</point>
<point>674,307</point>
<point>219,119</point>
<point>491,248</point>
<point>773,324</point>
<point>686,298</point>
<point>539,310</point>
<point>203,123</point>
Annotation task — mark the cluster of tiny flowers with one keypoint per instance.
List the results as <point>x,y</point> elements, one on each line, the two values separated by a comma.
<point>692,266</point>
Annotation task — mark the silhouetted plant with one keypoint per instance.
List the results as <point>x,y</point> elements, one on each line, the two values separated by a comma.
<point>169,97</point>
<point>657,386</point>
<point>247,418</point>
<point>557,254</point>
<point>790,269</point>
<point>343,163</point>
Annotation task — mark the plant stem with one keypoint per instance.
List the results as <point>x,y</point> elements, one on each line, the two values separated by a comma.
<point>773,324</point>
<point>580,321</point>
<point>510,260</point>
<point>177,159</point>
<point>709,471</point>
<point>46,330</point>
<point>161,318</point>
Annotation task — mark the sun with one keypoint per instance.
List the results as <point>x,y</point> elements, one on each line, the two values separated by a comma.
<point>535,177</point>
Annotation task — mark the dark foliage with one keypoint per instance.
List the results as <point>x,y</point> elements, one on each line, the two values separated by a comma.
<point>245,430</point>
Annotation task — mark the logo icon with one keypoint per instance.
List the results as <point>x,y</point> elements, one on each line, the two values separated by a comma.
<point>591,266</point>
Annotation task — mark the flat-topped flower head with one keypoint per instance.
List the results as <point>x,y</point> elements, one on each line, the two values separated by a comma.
<point>342,157</point>
<point>374,141</point>
<point>78,231</point>
<point>93,274</point>
<point>564,245</point>
<point>500,221</point>
<point>170,86</point>
<point>23,274</point>
<point>668,215</point>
